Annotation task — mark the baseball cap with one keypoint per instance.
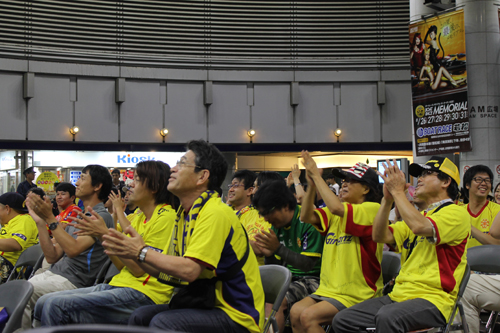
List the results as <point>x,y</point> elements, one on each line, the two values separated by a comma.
<point>28,170</point>
<point>14,200</point>
<point>436,163</point>
<point>360,172</point>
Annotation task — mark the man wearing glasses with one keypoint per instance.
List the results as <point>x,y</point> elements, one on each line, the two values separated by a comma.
<point>433,246</point>
<point>482,290</point>
<point>239,198</point>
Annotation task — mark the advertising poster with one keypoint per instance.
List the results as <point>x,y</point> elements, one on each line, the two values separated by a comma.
<point>46,181</point>
<point>439,85</point>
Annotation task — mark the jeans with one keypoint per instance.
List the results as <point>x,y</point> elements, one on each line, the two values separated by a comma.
<point>100,304</point>
<point>388,316</point>
<point>185,320</point>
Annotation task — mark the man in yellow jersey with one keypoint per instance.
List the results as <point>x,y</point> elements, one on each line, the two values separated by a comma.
<point>482,289</point>
<point>239,198</point>
<point>290,242</point>
<point>350,270</point>
<point>433,246</point>
<point>18,231</point>
<point>132,287</point>
<point>208,242</point>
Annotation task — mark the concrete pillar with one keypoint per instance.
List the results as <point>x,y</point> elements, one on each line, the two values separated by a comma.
<point>482,41</point>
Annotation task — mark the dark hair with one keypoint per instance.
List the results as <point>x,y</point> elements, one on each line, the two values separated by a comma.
<point>473,171</point>
<point>38,191</point>
<point>115,190</point>
<point>28,170</point>
<point>66,187</point>
<point>495,188</point>
<point>154,175</point>
<point>115,171</point>
<point>266,176</point>
<point>375,193</point>
<point>100,175</point>
<point>210,158</point>
<point>248,177</point>
<point>274,195</point>
<point>452,190</point>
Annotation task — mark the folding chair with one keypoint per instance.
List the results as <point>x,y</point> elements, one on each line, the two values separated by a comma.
<point>29,258</point>
<point>98,328</point>
<point>485,259</point>
<point>102,272</point>
<point>458,306</point>
<point>275,280</point>
<point>112,271</point>
<point>391,263</point>
<point>14,296</point>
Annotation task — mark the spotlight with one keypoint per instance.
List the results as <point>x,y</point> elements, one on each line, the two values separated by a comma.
<point>251,133</point>
<point>338,132</point>
<point>73,130</point>
<point>164,132</point>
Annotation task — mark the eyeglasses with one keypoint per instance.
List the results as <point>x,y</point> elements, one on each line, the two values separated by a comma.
<point>266,212</point>
<point>427,173</point>
<point>182,164</point>
<point>480,180</point>
<point>230,186</point>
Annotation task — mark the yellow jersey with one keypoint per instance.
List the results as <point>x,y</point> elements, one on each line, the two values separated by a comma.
<point>23,229</point>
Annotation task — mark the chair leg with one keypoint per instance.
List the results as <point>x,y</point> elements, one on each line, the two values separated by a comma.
<point>490,325</point>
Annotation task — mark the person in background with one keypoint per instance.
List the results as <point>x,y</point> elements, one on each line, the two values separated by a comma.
<point>239,198</point>
<point>332,184</point>
<point>293,181</point>
<point>117,182</point>
<point>65,199</point>
<point>290,242</point>
<point>18,231</point>
<point>75,259</point>
<point>265,176</point>
<point>496,193</point>
<point>24,186</point>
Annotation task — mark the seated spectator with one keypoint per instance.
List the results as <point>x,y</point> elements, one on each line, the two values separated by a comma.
<point>265,176</point>
<point>130,206</point>
<point>351,271</point>
<point>290,242</point>
<point>65,199</point>
<point>240,199</point>
<point>482,290</point>
<point>75,260</point>
<point>108,204</point>
<point>114,302</point>
<point>433,252</point>
<point>209,241</point>
<point>18,231</point>
<point>24,186</point>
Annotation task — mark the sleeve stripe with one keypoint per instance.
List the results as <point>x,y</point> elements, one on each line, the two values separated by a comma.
<point>311,254</point>
<point>437,230</point>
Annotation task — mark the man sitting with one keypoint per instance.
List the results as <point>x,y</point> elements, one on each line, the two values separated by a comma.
<point>18,231</point>
<point>114,302</point>
<point>76,259</point>
<point>433,252</point>
<point>290,242</point>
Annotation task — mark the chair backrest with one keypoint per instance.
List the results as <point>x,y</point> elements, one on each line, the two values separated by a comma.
<point>102,272</point>
<point>276,281</point>
<point>14,296</point>
<point>391,263</point>
<point>29,257</point>
<point>484,258</point>
<point>98,328</point>
<point>112,271</point>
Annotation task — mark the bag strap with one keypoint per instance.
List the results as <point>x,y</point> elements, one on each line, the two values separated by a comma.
<point>233,270</point>
<point>412,246</point>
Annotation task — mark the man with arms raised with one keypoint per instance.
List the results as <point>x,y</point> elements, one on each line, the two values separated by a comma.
<point>433,252</point>
<point>240,199</point>
<point>114,302</point>
<point>82,256</point>
<point>208,241</point>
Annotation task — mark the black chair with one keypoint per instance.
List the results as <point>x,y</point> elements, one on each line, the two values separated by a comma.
<point>275,280</point>
<point>485,259</point>
<point>112,271</point>
<point>98,328</point>
<point>391,263</point>
<point>102,272</point>
<point>28,259</point>
<point>14,296</point>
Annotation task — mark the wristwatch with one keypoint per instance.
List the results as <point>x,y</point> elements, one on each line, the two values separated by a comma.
<point>53,225</point>
<point>142,254</point>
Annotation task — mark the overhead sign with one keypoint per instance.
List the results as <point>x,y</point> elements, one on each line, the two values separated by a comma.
<point>439,85</point>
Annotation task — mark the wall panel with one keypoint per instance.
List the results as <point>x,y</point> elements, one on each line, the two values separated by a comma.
<point>396,114</point>
<point>50,111</point>
<point>315,117</point>
<point>141,115</point>
<point>272,115</point>
<point>13,107</point>
<point>96,111</point>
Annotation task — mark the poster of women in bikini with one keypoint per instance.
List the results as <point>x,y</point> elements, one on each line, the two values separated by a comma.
<point>439,84</point>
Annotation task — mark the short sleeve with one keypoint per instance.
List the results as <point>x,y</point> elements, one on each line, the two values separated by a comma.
<point>451,223</point>
<point>359,218</point>
<point>22,231</point>
<point>325,216</point>
<point>401,232</point>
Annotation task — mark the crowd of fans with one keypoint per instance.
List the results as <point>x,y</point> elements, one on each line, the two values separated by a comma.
<point>188,261</point>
